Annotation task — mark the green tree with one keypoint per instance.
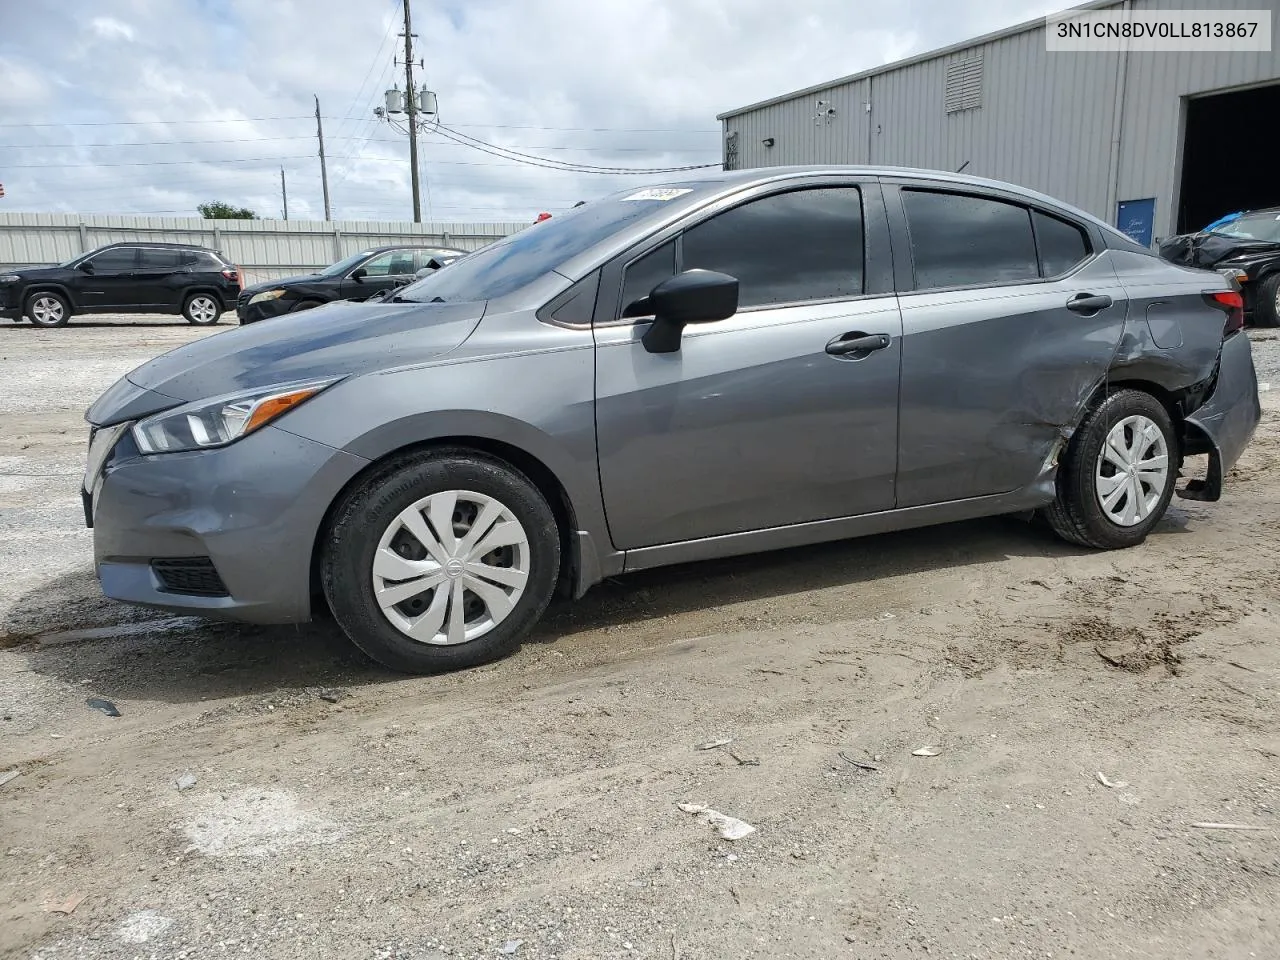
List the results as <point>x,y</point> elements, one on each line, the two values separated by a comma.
<point>217,210</point>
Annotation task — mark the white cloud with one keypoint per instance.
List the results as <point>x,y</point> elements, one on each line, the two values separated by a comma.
<point>207,99</point>
<point>109,28</point>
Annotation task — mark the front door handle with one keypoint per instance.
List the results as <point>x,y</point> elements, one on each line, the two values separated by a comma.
<point>857,343</point>
<point>1088,303</point>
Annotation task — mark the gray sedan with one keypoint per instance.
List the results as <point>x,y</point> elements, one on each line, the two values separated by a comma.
<point>727,364</point>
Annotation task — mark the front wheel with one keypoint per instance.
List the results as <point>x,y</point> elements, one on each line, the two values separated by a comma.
<point>441,561</point>
<point>202,309</point>
<point>48,309</point>
<point>1116,479</point>
<point>1266,305</point>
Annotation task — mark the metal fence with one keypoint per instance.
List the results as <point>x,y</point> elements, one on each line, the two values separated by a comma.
<point>263,249</point>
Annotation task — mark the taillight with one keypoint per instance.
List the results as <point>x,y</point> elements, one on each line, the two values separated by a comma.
<point>232,274</point>
<point>1231,303</point>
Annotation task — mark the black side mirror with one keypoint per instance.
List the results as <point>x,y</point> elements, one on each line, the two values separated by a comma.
<point>358,274</point>
<point>695,296</point>
<point>85,266</point>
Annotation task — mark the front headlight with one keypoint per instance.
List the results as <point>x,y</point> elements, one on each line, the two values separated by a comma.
<point>222,420</point>
<point>10,278</point>
<point>266,295</point>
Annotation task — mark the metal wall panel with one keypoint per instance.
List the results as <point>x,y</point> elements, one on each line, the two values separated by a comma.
<point>264,249</point>
<point>1089,128</point>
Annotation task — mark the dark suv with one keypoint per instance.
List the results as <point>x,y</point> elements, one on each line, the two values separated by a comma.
<point>357,277</point>
<point>124,278</point>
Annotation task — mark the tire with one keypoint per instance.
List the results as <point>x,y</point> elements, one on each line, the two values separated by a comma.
<point>1266,304</point>
<point>47,309</point>
<point>202,309</point>
<point>369,527</point>
<point>1092,470</point>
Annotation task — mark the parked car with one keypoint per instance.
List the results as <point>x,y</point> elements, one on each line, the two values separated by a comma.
<point>1247,245</point>
<point>728,364</point>
<point>356,277</point>
<point>196,282</point>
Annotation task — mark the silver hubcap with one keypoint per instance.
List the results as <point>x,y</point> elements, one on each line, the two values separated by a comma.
<point>203,310</point>
<point>1132,471</point>
<point>451,567</point>
<point>46,310</point>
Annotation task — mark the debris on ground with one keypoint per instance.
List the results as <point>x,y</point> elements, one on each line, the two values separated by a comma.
<point>731,828</point>
<point>143,926</point>
<point>713,744</point>
<point>67,906</point>
<point>330,694</point>
<point>106,706</point>
<point>744,761</point>
<point>926,752</point>
<point>1110,784</point>
<point>857,763</point>
<point>8,775</point>
<point>1206,825</point>
<point>186,781</point>
<point>510,947</point>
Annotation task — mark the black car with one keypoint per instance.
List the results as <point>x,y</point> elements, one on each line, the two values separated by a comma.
<point>1248,246</point>
<point>357,277</point>
<point>196,282</point>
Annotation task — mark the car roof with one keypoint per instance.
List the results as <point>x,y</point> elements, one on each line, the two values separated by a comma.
<point>157,243</point>
<point>414,246</point>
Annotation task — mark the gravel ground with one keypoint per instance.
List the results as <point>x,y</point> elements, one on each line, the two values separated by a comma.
<point>529,808</point>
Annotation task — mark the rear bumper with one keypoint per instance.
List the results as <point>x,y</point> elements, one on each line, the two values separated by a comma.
<point>1227,419</point>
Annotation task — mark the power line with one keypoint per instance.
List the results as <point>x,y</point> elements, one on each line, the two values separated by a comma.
<point>143,123</point>
<point>546,162</point>
<point>470,126</point>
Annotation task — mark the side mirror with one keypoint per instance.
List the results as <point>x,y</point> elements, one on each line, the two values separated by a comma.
<point>85,266</point>
<point>358,274</point>
<point>695,296</point>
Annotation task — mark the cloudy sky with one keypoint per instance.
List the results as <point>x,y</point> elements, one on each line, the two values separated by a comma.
<point>152,106</point>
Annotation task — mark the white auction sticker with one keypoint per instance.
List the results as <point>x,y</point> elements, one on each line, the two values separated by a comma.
<point>659,193</point>
<point>1158,30</point>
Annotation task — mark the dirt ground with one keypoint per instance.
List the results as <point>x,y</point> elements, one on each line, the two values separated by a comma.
<point>529,808</point>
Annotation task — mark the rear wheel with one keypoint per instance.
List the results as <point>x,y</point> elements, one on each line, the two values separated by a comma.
<point>47,309</point>
<point>1266,306</point>
<point>202,309</point>
<point>1116,479</point>
<point>441,561</point>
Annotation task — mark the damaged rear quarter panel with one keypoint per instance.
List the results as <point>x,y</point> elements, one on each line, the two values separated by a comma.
<point>994,379</point>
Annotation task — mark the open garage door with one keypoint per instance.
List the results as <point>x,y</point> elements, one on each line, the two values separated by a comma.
<point>1228,159</point>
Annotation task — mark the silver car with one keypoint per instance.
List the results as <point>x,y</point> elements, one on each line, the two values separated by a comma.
<point>727,364</point>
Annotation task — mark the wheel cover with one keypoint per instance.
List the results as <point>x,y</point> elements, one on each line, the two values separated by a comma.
<point>203,309</point>
<point>46,310</point>
<point>1132,471</point>
<point>451,567</point>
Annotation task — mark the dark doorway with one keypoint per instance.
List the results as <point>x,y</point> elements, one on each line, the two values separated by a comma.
<point>1228,156</point>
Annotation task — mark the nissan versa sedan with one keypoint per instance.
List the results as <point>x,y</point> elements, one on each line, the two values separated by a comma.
<point>726,364</point>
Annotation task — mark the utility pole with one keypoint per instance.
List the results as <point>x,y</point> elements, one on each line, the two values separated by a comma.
<point>284,194</point>
<point>324,173</point>
<point>412,109</point>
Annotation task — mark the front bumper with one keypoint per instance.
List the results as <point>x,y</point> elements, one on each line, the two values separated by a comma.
<point>263,309</point>
<point>253,508</point>
<point>1224,424</point>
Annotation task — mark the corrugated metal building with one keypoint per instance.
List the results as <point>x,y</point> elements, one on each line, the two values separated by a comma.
<point>1155,142</point>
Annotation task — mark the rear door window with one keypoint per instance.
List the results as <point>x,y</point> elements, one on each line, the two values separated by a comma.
<point>1062,245</point>
<point>155,258</point>
<point>963,241</point>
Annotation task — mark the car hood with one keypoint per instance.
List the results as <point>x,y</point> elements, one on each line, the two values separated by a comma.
<point>1211,249</point>
<point>286,282</point>
<point>345,339</point>
<point>35,272</point>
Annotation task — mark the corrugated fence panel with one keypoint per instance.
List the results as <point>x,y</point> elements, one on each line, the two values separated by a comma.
<point>263,249</point>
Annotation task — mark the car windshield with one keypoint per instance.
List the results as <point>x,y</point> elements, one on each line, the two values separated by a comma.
<point>345,264</point>
<point>517,260</point>
<point>1253,226</point>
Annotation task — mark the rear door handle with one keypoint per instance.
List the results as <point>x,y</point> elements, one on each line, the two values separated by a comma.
<point>1088,303</point>
<point>857,342</point>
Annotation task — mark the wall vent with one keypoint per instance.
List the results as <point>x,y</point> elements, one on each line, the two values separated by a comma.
<point>964,85</point>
